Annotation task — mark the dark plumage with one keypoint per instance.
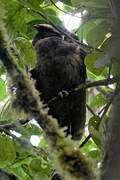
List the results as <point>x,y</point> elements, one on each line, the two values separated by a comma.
<point>60,67</point>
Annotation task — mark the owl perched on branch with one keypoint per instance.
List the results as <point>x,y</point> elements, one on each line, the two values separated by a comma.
<point>60,68</point>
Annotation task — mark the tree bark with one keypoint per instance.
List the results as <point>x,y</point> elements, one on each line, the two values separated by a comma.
<point>111,162</point>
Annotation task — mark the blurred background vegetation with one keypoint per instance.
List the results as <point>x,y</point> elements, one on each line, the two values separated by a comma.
<point>23,148</point>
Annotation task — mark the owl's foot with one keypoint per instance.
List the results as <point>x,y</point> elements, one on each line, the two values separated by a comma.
<point>63,94</point>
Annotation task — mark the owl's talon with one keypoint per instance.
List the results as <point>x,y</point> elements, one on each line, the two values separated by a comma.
<point>63,94</point>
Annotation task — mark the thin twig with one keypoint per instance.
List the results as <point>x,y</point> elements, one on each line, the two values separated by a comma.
<point>13,125</point>
<point>105,109</point>
<point>109,103</point>
<point>104,93</point>
<point>63,10</point>
<point>85,141</point>
<point>91,110</point>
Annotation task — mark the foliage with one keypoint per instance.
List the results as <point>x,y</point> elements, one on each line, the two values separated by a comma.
<point>17,154</point>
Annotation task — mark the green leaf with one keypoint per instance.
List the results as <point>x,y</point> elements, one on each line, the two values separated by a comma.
<point>7,149</point>
<point>20,161</point>
<point>26,49</point>
<point>52,15</point>
<point>4,112</point>
<point>94,131</point>
<point>86,27</point>
<point>66,2</point>
<point>2,69</point>
<point>29,53</point>
<point>95,154</point>
<point>23,153</point>
<point>68,8</point>
<point>98,101</point>
<point>108,44</point>
<point>90,149</point>
<point>35,165</point>
<point>20,173</point>
<point>26,169</point>
<point>40,168</point>
<point>115,69</point>
<point>43,143</point>
<point>93,121</point>
<point>18,21</point>
<point>106,60</point>
<point>87,3</point>
<point>90,62</point>
<point>2,10</point>
<point>50,11</point>
<point>32,129</point>
<point>96,35</point>
<point>3,92</point>
<point>15,16</point>
<point>33,4</point>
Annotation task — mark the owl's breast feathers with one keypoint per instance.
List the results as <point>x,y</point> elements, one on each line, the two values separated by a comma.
<point>60,66</point>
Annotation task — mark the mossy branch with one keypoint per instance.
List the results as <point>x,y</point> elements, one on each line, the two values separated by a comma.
<point>70,161</point>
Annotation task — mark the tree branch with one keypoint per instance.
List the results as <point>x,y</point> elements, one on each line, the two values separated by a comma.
<point>86,85</point>
<point>12,126</point>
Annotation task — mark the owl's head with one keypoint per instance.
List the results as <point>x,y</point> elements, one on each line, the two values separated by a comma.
<point>47,30</point>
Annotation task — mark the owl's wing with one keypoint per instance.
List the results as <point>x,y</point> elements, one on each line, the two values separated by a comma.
<point>60,66</point>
